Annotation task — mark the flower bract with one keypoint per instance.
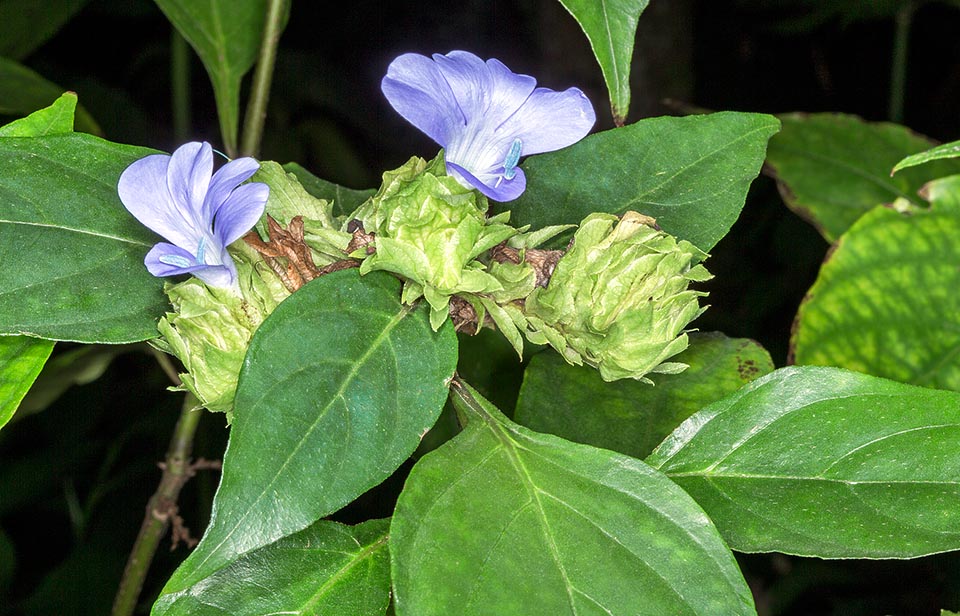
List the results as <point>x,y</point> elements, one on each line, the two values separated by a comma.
<point>485,116</point>
<point>198,214</point>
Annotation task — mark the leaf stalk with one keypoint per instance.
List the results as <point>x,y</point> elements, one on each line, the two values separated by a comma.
<point>262,78</point>
<point>161,508</point>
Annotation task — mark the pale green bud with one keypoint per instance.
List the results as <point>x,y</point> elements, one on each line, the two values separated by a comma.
<point>429,229</point>
<point>619,298</point>
<point>210,328</point>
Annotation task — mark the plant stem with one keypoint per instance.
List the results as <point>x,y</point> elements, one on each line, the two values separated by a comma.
<point>898,68</point>
<point>161,507</point>
<point>180,86</point>
<point>262,77</point>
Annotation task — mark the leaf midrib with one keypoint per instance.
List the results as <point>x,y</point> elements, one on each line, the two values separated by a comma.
<point>349,377</point>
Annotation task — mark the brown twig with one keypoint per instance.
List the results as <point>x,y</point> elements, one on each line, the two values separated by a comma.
<point>162,508</point>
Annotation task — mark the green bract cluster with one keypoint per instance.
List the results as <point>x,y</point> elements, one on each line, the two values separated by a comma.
<point>430,230</point>
<point>619,298</point>
<point>210,328</point>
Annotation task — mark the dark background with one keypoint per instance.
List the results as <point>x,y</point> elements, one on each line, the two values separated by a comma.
<point>72,519</point>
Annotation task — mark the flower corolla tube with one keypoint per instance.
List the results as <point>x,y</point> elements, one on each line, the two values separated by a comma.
<point>485,116</point>
<point>176,197</point>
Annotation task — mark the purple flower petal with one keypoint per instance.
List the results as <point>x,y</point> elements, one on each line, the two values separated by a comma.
<point>188,177</point>
<point>485,116</point>
<point>487,92</point>
<point>219,275</point>
<point>494,186</point>
<point>242,209</point>
<point>415,87</point>
<point>551,120</point>
<point>168,260</point>
<point>176,197</point>
<point>227,178</point>
<point>143,191</point>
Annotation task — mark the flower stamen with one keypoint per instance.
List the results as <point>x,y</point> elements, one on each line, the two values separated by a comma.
<point>513,157</point>
<point>200,250</point>
<point>174,260</point>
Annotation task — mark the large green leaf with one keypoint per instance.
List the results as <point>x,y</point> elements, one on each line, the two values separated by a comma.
<point>226,34</point>
<point>690,173</point>
<point>337,388</point>
<point>22,91</point>
<point>886,301</point>
<point>27,24</point>
<point>833,168</point>
<point>611,27</point>
<point>502,520</point>
<point>21,359</point>
<point>327,569</point>
<point>825,462</point>
<point>573,402</point>
<point>71,256</point>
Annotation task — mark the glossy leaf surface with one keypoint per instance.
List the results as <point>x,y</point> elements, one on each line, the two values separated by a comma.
<point>226,34</point>
<point>21,359</point>
<point>611,27</point>
<point>690,173</point>
<point>503,520</point>
<point>338,386</point>
<point>327,569</point>
<point>71,256</point>
<point>631,417</point>
<point>825,462</point>
<point>23,91</point>
<point>886,300</point>
<point>833,168</point>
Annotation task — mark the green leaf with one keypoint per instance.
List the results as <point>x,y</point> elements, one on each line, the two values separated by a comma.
<point>690,173</point>
<point>226,34</point>
<point>886,300</point>
<point>345,200</point>
<point>946,150</point>
<point>27,24</point>
<point>56,119</point>
<point>326,569</point>
<point>611,27</point>
<point>627,416</point>
<point>21,359</point>
<point>22,91</point>
<point>825,462</point>
<point>833,168</point>
<point>502,520</point>
<point>338,386</point>
<point>77,366</point>
<point>71,256</point>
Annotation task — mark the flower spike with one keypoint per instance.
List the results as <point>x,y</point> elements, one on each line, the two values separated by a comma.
<point>176,197</point>
<point>485,116</point>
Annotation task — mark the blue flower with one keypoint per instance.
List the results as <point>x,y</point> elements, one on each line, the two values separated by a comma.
<point>485,116</point>
<point>200,215</point>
